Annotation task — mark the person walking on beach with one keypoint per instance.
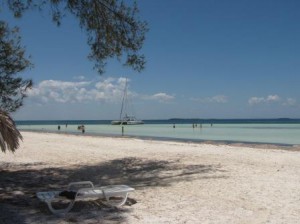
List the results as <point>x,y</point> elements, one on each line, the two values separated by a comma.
<point>58,127</point>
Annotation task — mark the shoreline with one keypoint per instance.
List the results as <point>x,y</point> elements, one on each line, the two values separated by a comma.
<point>291,147</point>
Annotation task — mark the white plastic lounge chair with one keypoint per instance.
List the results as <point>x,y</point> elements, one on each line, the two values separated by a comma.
<point>114,195</point>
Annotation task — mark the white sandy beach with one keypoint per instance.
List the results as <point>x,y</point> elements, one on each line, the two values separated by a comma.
<point>175,182</point>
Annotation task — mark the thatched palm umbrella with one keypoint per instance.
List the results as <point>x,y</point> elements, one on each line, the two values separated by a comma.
<point>9,134</point>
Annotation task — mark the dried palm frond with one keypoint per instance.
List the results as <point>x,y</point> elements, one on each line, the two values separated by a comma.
<point>9,134</point>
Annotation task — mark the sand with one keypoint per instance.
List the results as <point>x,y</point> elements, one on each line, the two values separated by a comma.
<point>175,182</point>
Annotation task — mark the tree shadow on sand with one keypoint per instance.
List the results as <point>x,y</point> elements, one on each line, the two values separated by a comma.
<point>19,183</point>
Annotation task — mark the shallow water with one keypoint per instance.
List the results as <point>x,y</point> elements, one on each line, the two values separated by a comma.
<point>248,133</point>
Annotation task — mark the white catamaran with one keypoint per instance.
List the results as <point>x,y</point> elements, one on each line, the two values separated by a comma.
<point>126,119</point>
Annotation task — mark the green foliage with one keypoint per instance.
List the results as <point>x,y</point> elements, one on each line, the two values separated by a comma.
<point>12,61</point>
<point>9,134</point>
<point>113,28</point>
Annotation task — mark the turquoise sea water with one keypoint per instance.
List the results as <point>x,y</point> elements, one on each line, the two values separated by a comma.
<point>245,131</point>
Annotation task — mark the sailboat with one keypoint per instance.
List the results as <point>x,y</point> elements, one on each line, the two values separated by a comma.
<point>126,119</point>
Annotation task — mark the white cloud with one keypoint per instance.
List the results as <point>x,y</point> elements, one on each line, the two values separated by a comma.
<point>213,99</point>
<point>259,100</point>
<point>106,90</point>
<point>219,99</point>
<point>110,89</point>
<point>272,98</point>
<point>290,102</point>
<point>60,91</point>
<point>161,97</point>
<point>256,100</point>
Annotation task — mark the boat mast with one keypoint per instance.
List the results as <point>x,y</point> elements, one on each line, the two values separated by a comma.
<point>123,100</point>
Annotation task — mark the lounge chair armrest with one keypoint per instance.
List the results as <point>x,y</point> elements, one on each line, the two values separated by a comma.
<point>74,184</point>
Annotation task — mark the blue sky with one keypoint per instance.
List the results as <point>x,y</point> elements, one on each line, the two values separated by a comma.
<point>205,59</point>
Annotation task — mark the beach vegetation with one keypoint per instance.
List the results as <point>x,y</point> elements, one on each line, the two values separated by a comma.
<point>9,134</point>
<point>12,87</point>
<point>12,62</point>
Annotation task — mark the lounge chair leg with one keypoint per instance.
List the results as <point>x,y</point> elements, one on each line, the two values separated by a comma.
<point>117,204</point>
<point>60,211</point>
